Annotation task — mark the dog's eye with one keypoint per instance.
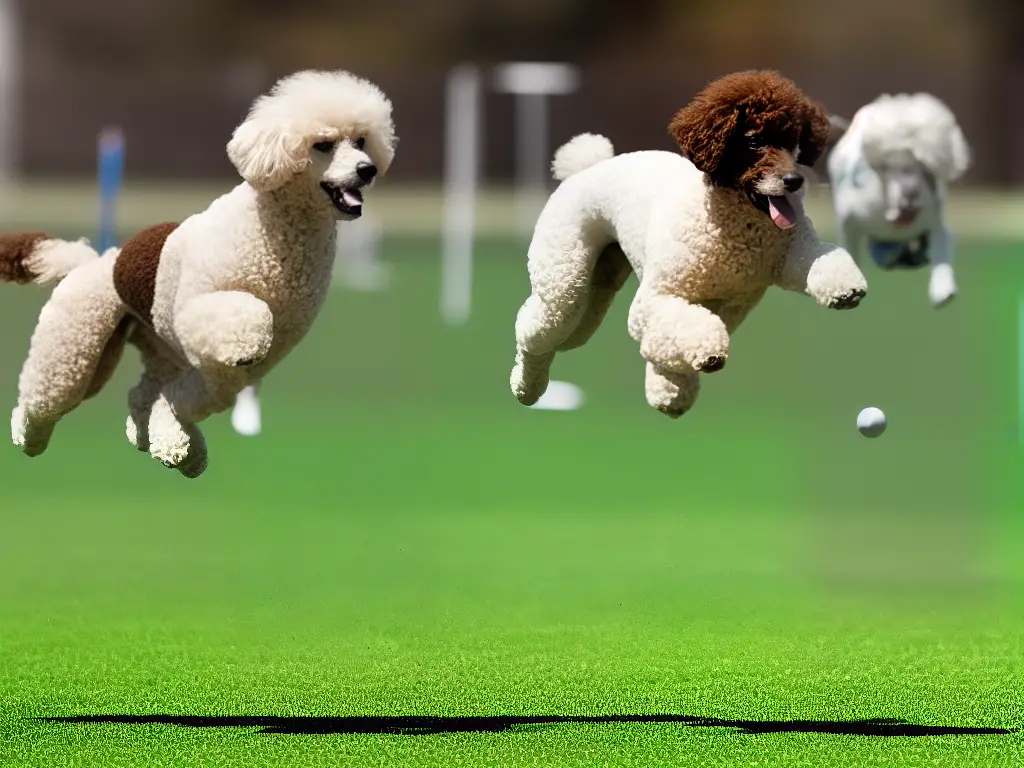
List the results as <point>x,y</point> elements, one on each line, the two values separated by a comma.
<point>360,142</point>
<point>325,146</point>
<point>754,142</point>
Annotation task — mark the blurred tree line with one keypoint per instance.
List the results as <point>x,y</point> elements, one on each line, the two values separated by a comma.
<point>136,61</point>
<point>152,36</point>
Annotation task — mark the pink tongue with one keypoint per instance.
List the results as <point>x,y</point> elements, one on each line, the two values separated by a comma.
<point>782,212</point>
<point>350,199</point>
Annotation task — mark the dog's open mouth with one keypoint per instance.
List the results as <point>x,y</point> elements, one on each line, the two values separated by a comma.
<point>348,200</point>
<point>779,207</point>
<point>902,217</point>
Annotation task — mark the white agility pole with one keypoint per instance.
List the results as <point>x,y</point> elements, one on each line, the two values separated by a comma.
<point>532,83</point>
<point>461,177</point>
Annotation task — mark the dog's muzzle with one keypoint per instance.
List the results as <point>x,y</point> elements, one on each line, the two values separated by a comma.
<point>902,216</point>
<point>783,209</point>
<point>349,198</point>
<point>776,196</point>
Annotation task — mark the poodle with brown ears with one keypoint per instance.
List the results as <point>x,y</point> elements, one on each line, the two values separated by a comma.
<point>707,232</point>
<point>213,304</point>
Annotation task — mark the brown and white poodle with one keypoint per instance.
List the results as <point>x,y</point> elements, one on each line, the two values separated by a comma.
<point>217,302</point>
<point>707,232</point>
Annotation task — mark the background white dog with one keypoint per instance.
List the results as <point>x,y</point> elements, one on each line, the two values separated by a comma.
<point>890,172</point>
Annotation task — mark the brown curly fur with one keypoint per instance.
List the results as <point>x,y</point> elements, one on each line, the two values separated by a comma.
<point>136,267</point>
<point>745,126</point>
<point>15,252</point>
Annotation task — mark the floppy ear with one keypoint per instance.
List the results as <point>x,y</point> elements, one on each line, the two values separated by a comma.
<point>267,153</point>
<point>958,155</point>
<point>814,134</point>
<point>703,131</point>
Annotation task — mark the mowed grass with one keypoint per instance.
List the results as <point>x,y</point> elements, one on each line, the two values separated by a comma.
<point>410,568</point>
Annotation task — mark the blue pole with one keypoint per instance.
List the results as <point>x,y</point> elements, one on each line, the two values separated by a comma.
<point>111,176</point>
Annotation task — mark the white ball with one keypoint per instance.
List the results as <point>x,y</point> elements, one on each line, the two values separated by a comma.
<point>871,422</point>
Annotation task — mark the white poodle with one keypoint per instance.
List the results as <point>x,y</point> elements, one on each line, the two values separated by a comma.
<point>215,303</point>
<point>707,232</point>
<point>889,173</point>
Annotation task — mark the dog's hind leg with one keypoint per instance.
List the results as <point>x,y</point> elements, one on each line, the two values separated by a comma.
<point>112,354</point>
<point>560,277</point>
<point>610,274</point>
<point>159,367</point>
<point>70,355</point>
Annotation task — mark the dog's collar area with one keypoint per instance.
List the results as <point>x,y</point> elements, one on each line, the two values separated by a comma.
<point>348,200</point>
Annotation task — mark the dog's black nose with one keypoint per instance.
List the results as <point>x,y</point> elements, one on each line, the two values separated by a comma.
<point>366,171</point>
<point>792,181</point>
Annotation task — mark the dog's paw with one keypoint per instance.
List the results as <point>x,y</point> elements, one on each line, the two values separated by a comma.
<point>243,355</point>
<point>31,436</point>
<point>672,413</point>
<point>527,392</point>
<point>942,286</point>
<point>943,301</point>
<point>848,300</point>
<point>530,376</point>
<point>137,431</point>
<point>710,364</point>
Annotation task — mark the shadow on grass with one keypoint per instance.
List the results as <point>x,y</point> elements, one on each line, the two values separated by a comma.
<point>413,725</point>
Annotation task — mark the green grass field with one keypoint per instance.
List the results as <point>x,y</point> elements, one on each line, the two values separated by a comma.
<point>410,568</point>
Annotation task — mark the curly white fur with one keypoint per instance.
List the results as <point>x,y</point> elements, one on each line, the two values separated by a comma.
<point>889,174</point>
<point>273,142</point>
<point>919,124</point>
<point>53,260</point>
<point>237,286</point>
<point>704,256</point>
<point>579,153</point>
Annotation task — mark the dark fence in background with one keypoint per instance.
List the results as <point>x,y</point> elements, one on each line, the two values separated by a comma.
<point>177,128</point>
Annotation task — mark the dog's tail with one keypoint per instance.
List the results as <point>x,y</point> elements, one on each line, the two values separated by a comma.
<point>580,153</point>
<point>35,257</point>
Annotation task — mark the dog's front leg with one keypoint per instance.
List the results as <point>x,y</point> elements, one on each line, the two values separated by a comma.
<point>225,328</point>
<point>825,272</point>
<point>677,336</point>
<point>942,284</point>
<point>852,238</point>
